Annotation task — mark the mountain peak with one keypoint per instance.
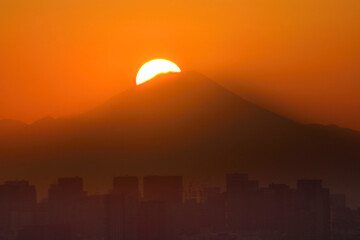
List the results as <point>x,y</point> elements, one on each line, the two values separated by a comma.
<point>8,125</point>
<point>183,123</point>
<point>170,94</point>
<point>44,120</point>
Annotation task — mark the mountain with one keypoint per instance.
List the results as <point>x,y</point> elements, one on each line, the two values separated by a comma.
<point>9,126</point>
<point>180,123</point>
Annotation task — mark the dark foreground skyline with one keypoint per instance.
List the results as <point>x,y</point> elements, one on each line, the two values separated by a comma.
<point>161,208</point>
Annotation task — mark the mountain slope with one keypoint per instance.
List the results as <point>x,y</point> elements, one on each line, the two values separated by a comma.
<point>180,123</point>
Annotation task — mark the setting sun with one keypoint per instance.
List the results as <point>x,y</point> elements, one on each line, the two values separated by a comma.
<point>153,68</point>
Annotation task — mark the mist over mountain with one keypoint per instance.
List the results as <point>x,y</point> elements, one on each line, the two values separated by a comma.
<point>179,123</point>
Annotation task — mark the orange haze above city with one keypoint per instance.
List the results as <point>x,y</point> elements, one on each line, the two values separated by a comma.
<point>298,58</point>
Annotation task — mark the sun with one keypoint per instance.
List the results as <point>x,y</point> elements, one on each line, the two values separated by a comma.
<point>153,68</point>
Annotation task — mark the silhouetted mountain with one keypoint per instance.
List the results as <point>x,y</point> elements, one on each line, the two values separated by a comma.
<point>43,121</point>
<point>182,123</point>
<point>11,126</point>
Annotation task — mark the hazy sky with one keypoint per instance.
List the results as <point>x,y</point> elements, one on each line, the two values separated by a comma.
<point>297,57</point>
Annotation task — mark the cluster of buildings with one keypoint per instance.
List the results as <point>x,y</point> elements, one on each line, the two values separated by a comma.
<point>159,211</point>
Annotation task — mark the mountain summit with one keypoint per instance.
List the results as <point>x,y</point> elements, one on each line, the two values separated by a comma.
<point>182,99</point>
<point>180,123</point>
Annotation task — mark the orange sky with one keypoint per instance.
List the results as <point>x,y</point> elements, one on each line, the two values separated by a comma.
<point>299,58</point>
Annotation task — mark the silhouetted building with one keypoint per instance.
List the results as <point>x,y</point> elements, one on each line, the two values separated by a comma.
<point>214,209</point>
<point>276,207</point>
<point>167,189</point>
<point>17,206</point>
<point>312,209</point>
<point>126,185</point>
<point>163,197</point>
<point>338,201</point>
<point>93,216</point>
<point>48,232</point>
<point>121,209</point>
<point>67,192</point>
<point>66,204</point>
<point>345,223</point>
<point>155,221</point>
<point>242,196</point>
<point>243,211</point>
<point>121,214</point>
<point>192,217</point>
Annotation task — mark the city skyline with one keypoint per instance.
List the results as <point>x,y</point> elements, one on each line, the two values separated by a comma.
<point>309,211</point>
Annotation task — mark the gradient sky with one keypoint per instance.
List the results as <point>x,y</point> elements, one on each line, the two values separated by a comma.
<point>300,58</point>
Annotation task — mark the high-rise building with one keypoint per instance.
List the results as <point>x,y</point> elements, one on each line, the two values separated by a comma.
<point>312,211</point>
<point>121,209</point>
<point>276,204</point>
<point>342,218</point>
<point>45,232</point>
<point>338,201</point>
<point>93,216</point>
<point>214,209</point>
<point>167,189</point>
<point>163,198</point>
<point>67,191</point>
<point>66,200</point>
<point>242,196</point>
<point>126,185</point>
<point>17,205</point>
<point>237,184</point>
<point>155,222</point>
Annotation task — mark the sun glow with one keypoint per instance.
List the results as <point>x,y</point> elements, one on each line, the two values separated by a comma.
<point>153,68</point>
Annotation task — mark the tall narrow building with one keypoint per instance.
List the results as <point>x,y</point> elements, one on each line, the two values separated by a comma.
<point>312,211</point>
<point>121,209</point>
<point>67,204</point>
<point>242,196</point>
<point>161,209</point>
<point>17,205</point>
<point>276,219</point>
